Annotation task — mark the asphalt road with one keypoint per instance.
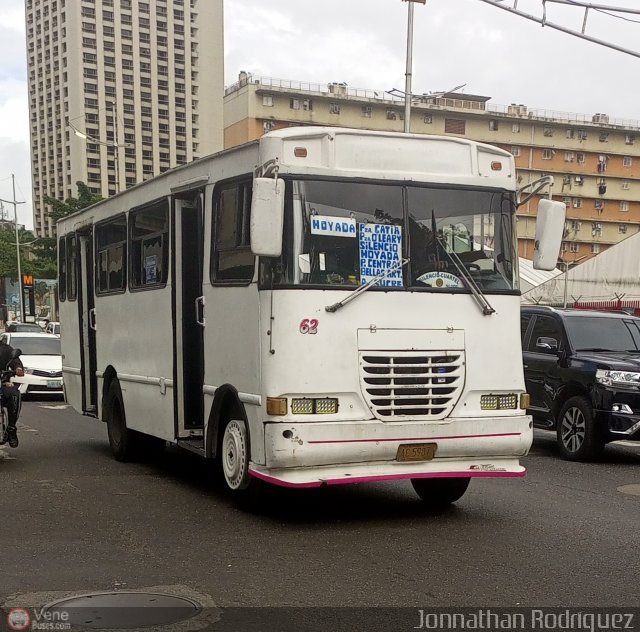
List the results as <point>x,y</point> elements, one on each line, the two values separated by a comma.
<point>75,521</point>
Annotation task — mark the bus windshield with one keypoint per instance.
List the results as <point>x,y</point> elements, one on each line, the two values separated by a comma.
<point>343,234</point>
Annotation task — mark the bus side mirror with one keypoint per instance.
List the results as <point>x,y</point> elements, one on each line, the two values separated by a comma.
<point>267,217</point>
<point>549,232</point>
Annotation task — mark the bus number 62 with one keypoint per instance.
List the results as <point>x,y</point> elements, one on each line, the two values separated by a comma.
<point>309,326</point>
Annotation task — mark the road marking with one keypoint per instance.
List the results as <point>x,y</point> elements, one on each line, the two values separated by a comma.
<point>634,490</point>
<point>57,407</point>
<point>24,428</point>
<point>4,456</point>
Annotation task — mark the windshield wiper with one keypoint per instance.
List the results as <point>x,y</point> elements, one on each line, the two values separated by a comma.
<point>479,297</point>
<point>363,288</point>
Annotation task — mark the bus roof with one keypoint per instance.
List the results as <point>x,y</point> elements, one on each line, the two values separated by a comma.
<point>325,151</point>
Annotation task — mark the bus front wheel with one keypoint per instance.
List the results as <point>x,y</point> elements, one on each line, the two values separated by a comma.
<point>234,456</point>
<point>440,492</point>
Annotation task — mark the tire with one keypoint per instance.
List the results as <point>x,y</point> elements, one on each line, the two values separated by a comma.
<point>124,442</point>
<point>440,492</point>
<point>234,455</point>
<point>578,436</point>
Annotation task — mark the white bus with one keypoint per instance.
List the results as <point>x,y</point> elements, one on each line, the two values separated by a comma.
<point>321,306</point>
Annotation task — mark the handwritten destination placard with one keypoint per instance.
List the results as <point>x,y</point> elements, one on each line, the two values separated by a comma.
<point>333,226</point>
<point>380,249</point>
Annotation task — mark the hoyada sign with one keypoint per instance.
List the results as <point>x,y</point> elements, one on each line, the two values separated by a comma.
<point>20,619</point>
<point>333,226</point>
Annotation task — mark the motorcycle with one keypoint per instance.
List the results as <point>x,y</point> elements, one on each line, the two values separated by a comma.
<point>7,385</point>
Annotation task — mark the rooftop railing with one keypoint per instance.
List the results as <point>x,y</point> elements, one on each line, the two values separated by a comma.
<point>515,110</point>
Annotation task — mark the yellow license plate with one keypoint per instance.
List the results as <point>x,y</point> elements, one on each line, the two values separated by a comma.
<point>416,451</point>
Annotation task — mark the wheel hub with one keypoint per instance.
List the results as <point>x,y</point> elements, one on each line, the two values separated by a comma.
<point>574,429</point>
<point>234,450</point>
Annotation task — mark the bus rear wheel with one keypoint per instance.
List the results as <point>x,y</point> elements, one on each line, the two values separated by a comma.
<point>440,492</point>
<point>123,442</point>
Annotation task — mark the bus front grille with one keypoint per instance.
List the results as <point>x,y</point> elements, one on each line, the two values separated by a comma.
<point>421,385</point>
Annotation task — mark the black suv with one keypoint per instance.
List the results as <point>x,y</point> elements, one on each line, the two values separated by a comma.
<point>582,372</point>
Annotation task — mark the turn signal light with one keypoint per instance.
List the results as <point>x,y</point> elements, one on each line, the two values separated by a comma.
<point>525,400</point>
<point>276,405</point>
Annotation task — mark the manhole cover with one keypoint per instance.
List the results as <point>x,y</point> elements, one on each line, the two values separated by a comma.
<point>123,610</point>
<point>634,490</point>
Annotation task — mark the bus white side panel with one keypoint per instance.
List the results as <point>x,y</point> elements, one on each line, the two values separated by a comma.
<point>232,349</point>
<point>71,363</point>
<point>140,350</point>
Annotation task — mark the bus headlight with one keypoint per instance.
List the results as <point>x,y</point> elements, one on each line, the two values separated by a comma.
<point>326,406</point>
<point>499,402</point>
<point>314,406</point>
<point>302,406</point>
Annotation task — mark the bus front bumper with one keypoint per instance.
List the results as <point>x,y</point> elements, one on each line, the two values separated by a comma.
<point>333,453</point>
<point>386,471</point>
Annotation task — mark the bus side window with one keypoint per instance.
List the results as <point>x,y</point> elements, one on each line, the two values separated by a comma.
<point>232,260</point>
<point>149,246</point>
<point>72,267</point>
<point>62,269</point>
<point>111,255</point>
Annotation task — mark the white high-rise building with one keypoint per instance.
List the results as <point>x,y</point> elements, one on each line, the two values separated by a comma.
<point>119,91</point>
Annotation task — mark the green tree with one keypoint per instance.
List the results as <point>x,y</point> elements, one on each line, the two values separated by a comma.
<point>8,262</point>
<point>61,209</point>
<point>42,260</point>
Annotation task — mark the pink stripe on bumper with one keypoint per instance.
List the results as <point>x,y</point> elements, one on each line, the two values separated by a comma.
<point>405,439</point>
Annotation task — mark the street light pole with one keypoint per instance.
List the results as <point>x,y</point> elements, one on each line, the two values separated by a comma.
<point>15,219</point>
<point>407,83</point>
<point>113,144</point>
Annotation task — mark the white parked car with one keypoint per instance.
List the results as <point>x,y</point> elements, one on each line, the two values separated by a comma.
<point>42,361</point>
<point>53,327</point>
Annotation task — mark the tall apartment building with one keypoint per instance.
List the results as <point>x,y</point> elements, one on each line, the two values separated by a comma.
<point>119,91</point>
<point>595,160</point>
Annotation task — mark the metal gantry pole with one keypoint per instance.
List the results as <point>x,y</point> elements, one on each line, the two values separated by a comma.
<point>558,27</point>
<point>115,147</point>
<point>407,85</point>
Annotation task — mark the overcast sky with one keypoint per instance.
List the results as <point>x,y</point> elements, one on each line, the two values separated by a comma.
<point>363,43</point>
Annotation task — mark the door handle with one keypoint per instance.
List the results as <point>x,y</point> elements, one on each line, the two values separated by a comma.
<point>92,319</point>
<point>525,366</point>
<point>200,303</point>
